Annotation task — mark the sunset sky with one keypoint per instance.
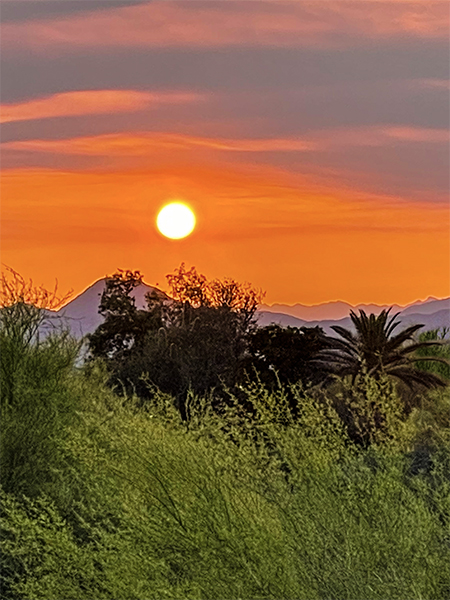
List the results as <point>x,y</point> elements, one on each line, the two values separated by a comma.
<point>310,138</point>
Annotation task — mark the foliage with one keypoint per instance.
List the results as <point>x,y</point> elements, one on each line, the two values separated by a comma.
<point>285,354</point>
<point>195,341</point>
<point>25,321</point>
<point>196,290</point>
<point>429,422</point>
<point>371,410</point>
<point>125,326</point>
<point>17,293</point>
<point>373,350</point>
<point>170,511</point>
<point>105,497</point>
<point>441,350</point>
<point>36,368</point>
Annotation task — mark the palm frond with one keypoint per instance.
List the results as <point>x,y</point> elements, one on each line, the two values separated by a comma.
<point>345,333</point>
<point>392,324</point>
<point>410,375</point>
<point>402,337</point>
<point>418,345</point>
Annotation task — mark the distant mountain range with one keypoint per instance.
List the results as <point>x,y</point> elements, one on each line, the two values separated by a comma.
<point>436,320</point>
<point>338,310</point>
<point>82,317</point>
<point>431,313</point>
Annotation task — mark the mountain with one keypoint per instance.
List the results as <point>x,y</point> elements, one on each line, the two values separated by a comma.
<point>319,312</point>
<point>338,310</point>
<point>436,320</point>
<point>81,315</point>
<point>429,307</point>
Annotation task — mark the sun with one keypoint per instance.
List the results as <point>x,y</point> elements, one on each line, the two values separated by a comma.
<point>176,220</point>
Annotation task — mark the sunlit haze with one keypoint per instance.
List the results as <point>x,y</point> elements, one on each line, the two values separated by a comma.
<point>310,140</point>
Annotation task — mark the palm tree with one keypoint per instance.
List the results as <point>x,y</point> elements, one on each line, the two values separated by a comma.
<point>373,350</point>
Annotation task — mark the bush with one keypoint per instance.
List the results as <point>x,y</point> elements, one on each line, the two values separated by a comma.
<point>441,351</point>
<point>205,509</point>
<point>371,411</point>
<point>36,374</point>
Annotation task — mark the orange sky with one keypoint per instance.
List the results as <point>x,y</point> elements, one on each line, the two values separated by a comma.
<point>312,186</point>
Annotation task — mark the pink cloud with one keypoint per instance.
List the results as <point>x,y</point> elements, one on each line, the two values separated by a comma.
<point>89,102</point>
<point>195,24</point>
<point>378,136</point>
<point>443,84</point>
<point>418,134</point>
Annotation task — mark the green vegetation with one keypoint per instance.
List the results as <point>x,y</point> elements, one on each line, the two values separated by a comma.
<point>430,352</point>
<point>374,350</point>
<point>281,491</point>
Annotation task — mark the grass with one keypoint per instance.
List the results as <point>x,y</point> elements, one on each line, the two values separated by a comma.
<point>111,501</point>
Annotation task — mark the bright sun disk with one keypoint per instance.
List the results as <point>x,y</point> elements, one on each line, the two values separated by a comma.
<point>175,220</point>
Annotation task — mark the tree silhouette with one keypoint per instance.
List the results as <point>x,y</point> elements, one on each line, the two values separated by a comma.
<point>286,354</point>
<point>125,326</point>
<point>194,288</point>
<point>195,340</point>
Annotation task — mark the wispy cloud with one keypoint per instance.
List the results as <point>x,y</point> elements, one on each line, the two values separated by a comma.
<point>374,136</point>
<point>146,143</point>
<point>443,84</point>
<point>142,144</point>
<point>418,134</point>
<point>90,102</point>
<point>263,23</point>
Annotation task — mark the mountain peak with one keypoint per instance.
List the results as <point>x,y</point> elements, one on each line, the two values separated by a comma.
<point>81,314</point>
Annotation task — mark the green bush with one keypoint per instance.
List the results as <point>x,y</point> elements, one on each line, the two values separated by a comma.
<point>37,405</point>
<point>223,507</point>
<point>441,351</point>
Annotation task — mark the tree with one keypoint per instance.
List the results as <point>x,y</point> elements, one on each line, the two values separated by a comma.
<point>125,326</point>
<point>195,340</point>
<point>36,372</point>
<point>189,286</point>
<point>287,354</point>
<point>193,288</point>
<point>25,308</point>
<point>374,351</point>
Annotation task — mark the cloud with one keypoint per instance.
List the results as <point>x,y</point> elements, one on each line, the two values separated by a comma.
<point>235,201</point>
<point>262,23</point>
<point>84,225</point>
<point>89,102</point>
<point>443,84</point>
<point>418,134</point>
<point>143,144</point>
<point>125,144</point>
<point>376,136</point>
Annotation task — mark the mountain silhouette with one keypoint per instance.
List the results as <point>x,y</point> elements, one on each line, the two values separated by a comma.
<point>338,310</point>
<point>81,315</point>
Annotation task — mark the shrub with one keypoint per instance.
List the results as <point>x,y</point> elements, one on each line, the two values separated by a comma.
<point>36,371</point>
<point>439,351</point>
